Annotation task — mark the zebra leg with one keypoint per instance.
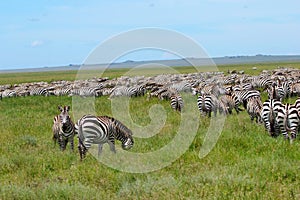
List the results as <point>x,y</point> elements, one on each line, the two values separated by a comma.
<point>112,146</point>
<point>285,135</point>
<point>209,113</point>
<point>82,150</point>
<point>72,144</point>
<point>100,146</point>
<point>62,143</point>
<point>55,139</point>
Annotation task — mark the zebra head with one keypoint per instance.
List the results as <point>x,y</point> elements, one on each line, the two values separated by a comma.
<point>64,115</point>
<point>123,134</point>
<point>128,143</point>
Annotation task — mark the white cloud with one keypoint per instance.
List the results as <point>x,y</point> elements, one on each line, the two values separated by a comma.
<point>37,43</point>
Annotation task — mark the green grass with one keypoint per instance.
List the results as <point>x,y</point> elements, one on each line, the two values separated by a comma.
<point>245,163</point>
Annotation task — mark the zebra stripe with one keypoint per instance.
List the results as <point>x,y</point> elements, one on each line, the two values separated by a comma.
<point>39,92</point>
<point>269,114</point>
<point>133,91</point>
<point>100,130</point>
<point>288,120</point>
<point>176,102</point>
<point>242,96</point>
<point>261,82</point>
<point>254,107</point>
<point>229,103</point>
<point>63,128</point>
<point>207,104</point>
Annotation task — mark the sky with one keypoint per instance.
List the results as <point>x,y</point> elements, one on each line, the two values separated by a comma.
<point>47,33</point>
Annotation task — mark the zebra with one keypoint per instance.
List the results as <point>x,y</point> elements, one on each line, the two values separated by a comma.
<point>177,102</point>
<point>242,96</point>
<point>228,103</point>
<point>63,91</point>
<point>124,91</point>
<point>100,130</point>
<point>295,89</point>
<point>254,107</point>
<point>38,91</point>
<point>261,82</point>
<point>275,92</point>
<point>8,93</point>
<point>269,115</point>
<point>288,120</point>
<point>207,104</point>
<point>63,128</point>
<point>86,91</point>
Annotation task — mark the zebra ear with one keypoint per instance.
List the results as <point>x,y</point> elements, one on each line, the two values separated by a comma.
<point>67,108</point>
<point>60,108</point>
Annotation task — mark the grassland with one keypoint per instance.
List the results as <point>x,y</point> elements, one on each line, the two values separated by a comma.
<point>245,163</point>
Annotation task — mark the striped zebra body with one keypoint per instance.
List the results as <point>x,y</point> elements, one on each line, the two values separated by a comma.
<point>167,94</point>
<point>207,104</point>
<point>230,79</point>
<point>63,128</point>
<point>100,130</point>
<point>62,91</point>
<point>261,82</point>
<point>242,96</point>
<point>288,120</point>
<point>177,102</point>
<point>269,114</point>
<point>229,103</point>
<point>295,89</point>
<point>276,92</point>
<point>9,93</point>
<point>125,91</point>
<point>254,107</point>
<point>182,87</point>
<point>39,92</point>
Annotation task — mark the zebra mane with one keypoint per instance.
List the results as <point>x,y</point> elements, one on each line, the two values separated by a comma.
<point>120,127</point>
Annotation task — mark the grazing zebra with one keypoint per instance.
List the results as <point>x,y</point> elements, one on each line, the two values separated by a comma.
<point>99,130</point>
<point>63,91</point>
<point>38,91</point>
<point>176,102</point>
<point>242,96</point>
<point>254,107</point>
<point>182,86</point>
<point>127,91</point>
<point>63,128</point>
<point>228,103</point>
<point>274,92</point>
<point>207,104</point>
<point>288,120</point>
<point>9,93</point>
<point>261,82</point>
<point>86,91</point>
<point>269,114</point>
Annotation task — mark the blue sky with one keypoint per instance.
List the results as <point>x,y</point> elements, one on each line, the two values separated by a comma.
<point>61,32</point>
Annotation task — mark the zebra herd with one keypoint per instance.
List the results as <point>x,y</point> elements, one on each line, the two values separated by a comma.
<point>215,93</point>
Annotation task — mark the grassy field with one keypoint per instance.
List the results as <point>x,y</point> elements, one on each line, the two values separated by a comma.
<point>16,78</point>
<point>246,163</point>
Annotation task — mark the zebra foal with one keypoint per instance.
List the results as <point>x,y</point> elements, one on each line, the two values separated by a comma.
<point>63,128</point>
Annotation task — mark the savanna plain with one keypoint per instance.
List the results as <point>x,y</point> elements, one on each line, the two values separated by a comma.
<point>245,163</point>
